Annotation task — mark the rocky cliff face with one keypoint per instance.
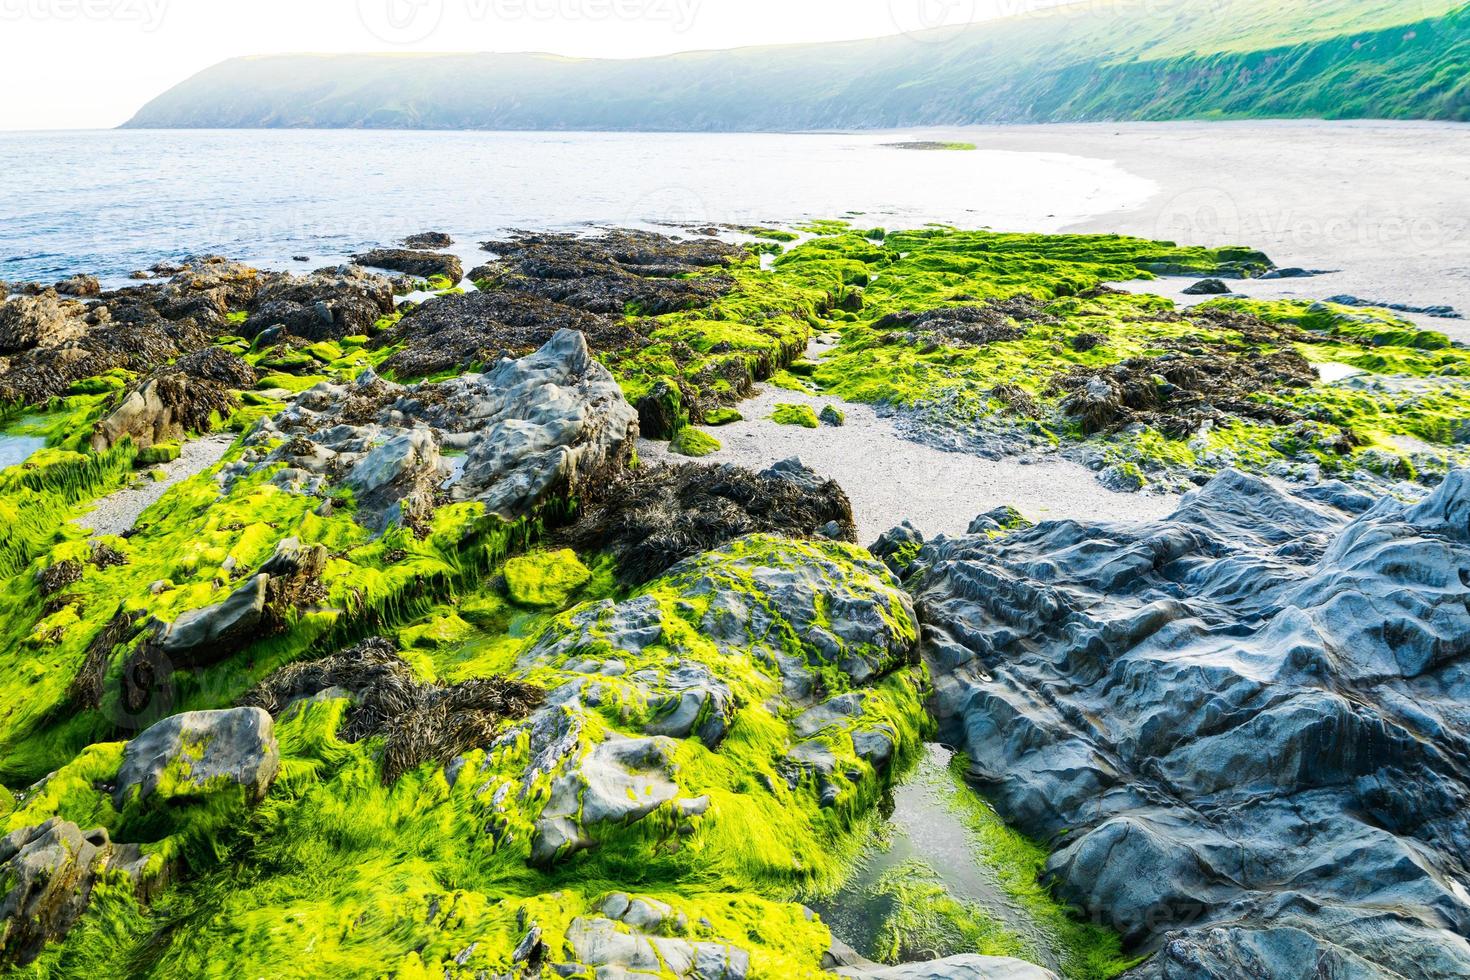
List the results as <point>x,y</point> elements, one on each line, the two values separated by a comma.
<point>1243,727</point>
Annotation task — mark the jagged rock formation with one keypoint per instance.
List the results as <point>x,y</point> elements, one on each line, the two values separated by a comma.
<point>186,396</point>
<point>47,344</point>
<point>1244,726</point>
<point>528,430</point>
<point>48,873</point>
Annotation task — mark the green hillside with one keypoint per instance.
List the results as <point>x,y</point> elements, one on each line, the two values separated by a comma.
<point>1176,59</point>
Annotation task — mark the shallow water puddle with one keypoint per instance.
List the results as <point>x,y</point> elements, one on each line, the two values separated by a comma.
<point>15,450</point>
<point>927,829</point>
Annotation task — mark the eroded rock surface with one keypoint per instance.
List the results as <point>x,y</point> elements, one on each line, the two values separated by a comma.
<point>1249,720</point>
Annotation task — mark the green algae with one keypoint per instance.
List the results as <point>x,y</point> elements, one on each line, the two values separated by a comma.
<point>788,414</point>
<point>545,578</point>
<point>692,442</point>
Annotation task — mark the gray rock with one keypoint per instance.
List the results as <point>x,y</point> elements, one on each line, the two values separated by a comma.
<point>201,751</point>
<point>1248,718</point>
<point>620,781</point>
<point>49,873</point>
<point>615,953</point>
<point>1207,287</point>
<point>221,627</point>
<point>1121,479</point>
<point>968,967</point>
<point>528,430</point>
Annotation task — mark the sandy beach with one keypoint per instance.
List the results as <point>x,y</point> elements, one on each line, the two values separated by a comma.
<point>1382,204</point>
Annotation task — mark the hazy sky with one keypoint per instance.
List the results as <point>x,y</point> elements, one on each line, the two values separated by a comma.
<point>67,64</point>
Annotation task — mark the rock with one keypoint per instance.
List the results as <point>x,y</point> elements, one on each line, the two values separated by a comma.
<point>428,239</point>
<point>660,412</point>
<point>612,950</point>
<point>200,752</point>
<point>1122,478</point>
<point>831,415</point>
<point>178,400</point>
<point>620,781</point>
<point>424,265</point>
<point>327,304</point>
<point>79,285</point>
<point>48,873</point>
<point>38,321</point>
<point>997,520</point>
<point>897,547</point>
<point>1246,718</point>
<point>530,431</point>
<point>1207,287</point>
<point>654,516</point>
<point>217,629</point>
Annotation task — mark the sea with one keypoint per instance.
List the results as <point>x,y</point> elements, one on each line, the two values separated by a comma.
<point>110,202</point>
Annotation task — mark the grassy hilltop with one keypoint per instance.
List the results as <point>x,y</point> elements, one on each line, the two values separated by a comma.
<point>1175,59</point>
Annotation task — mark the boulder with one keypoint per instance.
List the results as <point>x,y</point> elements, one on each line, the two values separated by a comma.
<point>47,874</point>
<point>1207,287</point>
<point>201,752</point>
<point>79,285</point>
<point>967,967</point>
<point>527,432</point>
<point>428,239</point>
<point>39,321</point>
<point>217,630</point>
<point>423,265</point>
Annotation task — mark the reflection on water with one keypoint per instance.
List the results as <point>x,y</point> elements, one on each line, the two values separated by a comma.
<point>15,450</point>
<point>925,826</point>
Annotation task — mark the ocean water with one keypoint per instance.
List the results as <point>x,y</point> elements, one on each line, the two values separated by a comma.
<point>109,202</point>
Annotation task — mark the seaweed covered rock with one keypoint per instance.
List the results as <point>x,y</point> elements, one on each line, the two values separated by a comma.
<point>47,874</point>
<point>652,517</point>
<point>419,722</point>
<point>969,326</point>
<point>198,752</point>
<point>612,274</point>
<point>543,427</point>
<point>428,240</point>
<point>413,262</point>
<point>1247,719</point>
<point>39,321</point>
<point>327,304</point>
<point>455,331</point>
<point>189,396</point>
<point>770,615</point>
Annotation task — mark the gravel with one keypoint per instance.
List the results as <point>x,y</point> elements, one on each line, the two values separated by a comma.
<point>118,512</point>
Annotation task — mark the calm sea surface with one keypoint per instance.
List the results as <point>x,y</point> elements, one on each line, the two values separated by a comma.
<point>109,202</point>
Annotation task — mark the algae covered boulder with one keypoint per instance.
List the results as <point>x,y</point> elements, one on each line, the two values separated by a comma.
<point>545,579</point>
<point>528,432</point>
<point>198,752</point>
<point>47,874</point>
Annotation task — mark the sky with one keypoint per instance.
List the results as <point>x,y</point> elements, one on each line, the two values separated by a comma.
<point>83,64</point>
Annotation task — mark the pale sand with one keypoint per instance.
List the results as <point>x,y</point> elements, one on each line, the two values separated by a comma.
<point>118,512</point>
<point>1385,203</point>
<point>890,479</point>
